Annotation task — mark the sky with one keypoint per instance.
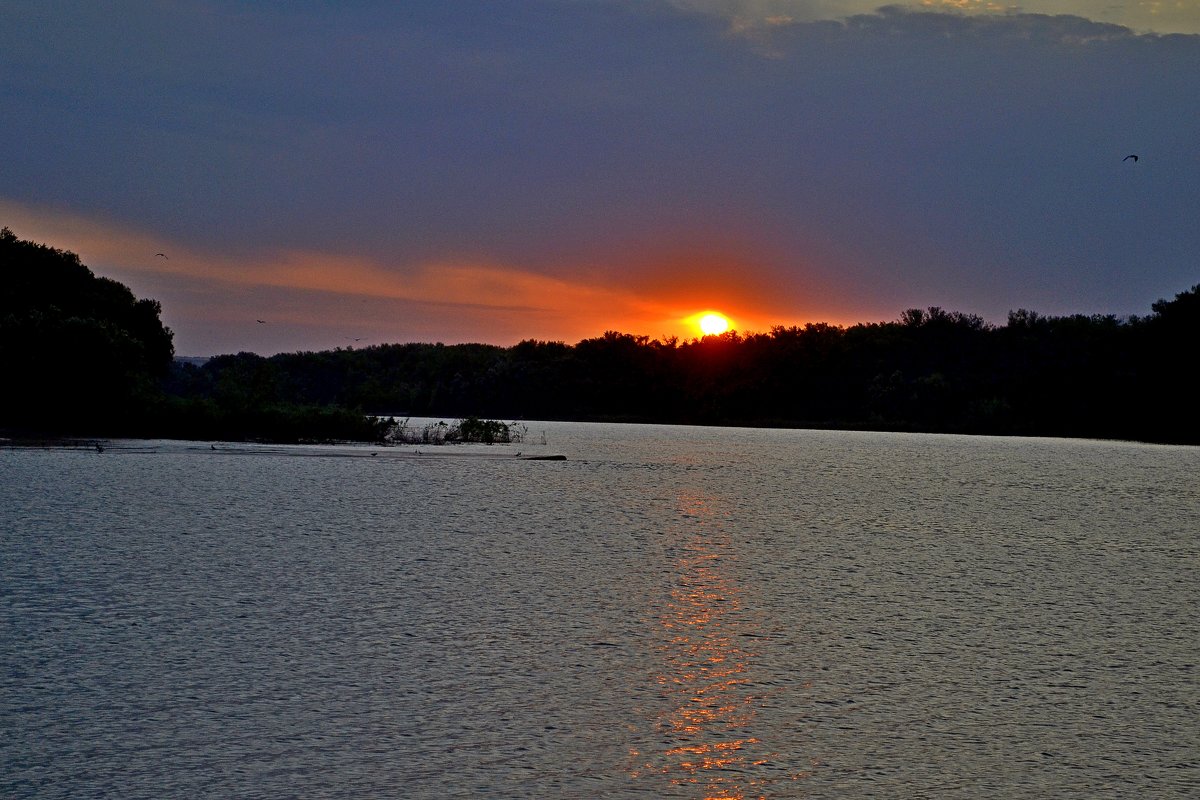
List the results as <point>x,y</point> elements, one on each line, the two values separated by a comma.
<point>354,173</point>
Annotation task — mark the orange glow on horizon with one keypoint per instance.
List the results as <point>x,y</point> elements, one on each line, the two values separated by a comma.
<point>316,299</point>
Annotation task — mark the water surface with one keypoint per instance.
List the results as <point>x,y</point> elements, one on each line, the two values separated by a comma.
<point>670,612</point>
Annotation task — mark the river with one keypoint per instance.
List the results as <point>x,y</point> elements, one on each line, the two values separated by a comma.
<point>670,612</point>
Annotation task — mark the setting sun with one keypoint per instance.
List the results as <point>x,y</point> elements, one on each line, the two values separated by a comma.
<point>712,323</point>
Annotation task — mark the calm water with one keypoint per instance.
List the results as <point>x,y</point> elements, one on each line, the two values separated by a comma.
<point>671,612</point>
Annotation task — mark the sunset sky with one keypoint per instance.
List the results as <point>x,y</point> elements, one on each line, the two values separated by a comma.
<point>551,169</point>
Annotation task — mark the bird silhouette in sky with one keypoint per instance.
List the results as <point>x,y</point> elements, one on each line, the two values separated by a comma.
<point>261,321</point>
<point>1131,155</point>
<point>162,255</point>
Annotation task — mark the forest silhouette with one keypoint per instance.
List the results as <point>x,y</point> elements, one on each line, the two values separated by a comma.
<point>83,356</point>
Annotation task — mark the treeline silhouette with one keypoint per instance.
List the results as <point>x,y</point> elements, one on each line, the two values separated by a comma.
<point>930,370</point>
<point>83,356</point>
<point>77,351</point>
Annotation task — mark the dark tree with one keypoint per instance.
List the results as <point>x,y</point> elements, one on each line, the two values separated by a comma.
<point>929,370</point>
<point>79,353</point>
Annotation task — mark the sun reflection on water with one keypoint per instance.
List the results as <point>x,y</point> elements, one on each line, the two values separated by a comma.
<point>705,730</point>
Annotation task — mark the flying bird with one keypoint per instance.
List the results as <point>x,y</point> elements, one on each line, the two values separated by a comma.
<point>1131,155</point>
<point>162,255</point>
<point>261,321</point>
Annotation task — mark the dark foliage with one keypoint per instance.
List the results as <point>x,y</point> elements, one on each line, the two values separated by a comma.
<point>82,355</point>
<point>471,429</point>
<point>79,353</point>
<point>281,422</point>
<point>930,370</point>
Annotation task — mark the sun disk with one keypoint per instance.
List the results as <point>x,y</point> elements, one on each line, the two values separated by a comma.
<point>713,324</point>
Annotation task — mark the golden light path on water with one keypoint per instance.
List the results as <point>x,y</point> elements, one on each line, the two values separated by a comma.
<point>710,701</point>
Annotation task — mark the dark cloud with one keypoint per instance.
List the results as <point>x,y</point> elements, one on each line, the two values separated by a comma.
<point>891,159</point>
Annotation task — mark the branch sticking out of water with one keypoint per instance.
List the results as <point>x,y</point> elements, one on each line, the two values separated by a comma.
<point>471,429</point>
